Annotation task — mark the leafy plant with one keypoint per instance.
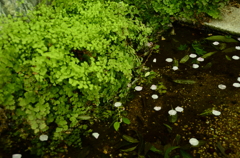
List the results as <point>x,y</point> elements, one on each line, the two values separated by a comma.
<point>182,47</point>
<point>120,117</point>
<point>160,13</point>
<point>161,88</point>
<point>63,65</point>
<point>198,48</point>
<point>137,146</point>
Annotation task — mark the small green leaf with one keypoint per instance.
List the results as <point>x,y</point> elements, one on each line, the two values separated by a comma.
<point>228,50</point>
<point>42,126</point>
<point>228,58</point>
<point>129,149</point>
<point>208,54</point>
<point>221,148</point>
<point>184,81</point>
<point>168,127</point>
<point>185,154</point>
<point>126,120</point>
<point>84,117</point>
<point>116,125</point>
<point>153,149</point>
<point>220,38</point>
<point>184,59</point>
<point>178,138</point>
<point>208,65</point>
<point>34,125</point>
<point>222,46</point>
<point>147,74</point>
<point>156,47</point>
<point>166,155</point>
<point>175,62</point>
<point>130,139</point>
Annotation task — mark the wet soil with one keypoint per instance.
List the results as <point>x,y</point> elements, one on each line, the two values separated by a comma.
<point>219,133</point>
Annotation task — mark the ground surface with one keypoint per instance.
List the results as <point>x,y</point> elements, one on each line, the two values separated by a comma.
<point>221,134</point>
<point>216,131</point>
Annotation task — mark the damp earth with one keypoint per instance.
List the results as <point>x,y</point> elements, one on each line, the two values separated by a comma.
<point>220,134</point>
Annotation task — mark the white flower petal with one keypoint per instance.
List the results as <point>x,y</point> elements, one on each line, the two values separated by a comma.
<point>193,55</point>
<point>117,104</point>
<point>149,44</point>
<point>172,112</point>
<point>200,59</point>
<point>216,43</point>
<point>16,156</point>
<point>179,109</point>
<point>157,108</point>
<point>169,60</point>
<point>237,85</point>
<point>195,66</point>
<point>222,86</point>
<point>138,88</point>
<point>175,68</point>
<point>235,57</point>
<point>95,135</point>
<point>154,60</point>
<point>216,113</point>
<point>238,79</point>
<point>238,38</point>
<point>43,137</point>
<point>237,47</point>
<point>154,96</point>
<point>153,87</point>
<point>193,141</point>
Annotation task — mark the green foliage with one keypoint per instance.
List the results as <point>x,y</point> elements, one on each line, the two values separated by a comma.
<point>61,66</point>
<point>161,88</point>
<point>198,48</point>
<point>159,13</point>
<point>182,47</point>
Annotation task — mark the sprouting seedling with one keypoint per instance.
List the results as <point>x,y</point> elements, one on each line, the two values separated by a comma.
<point>120,118</point>
<point>210,111</point>
<point>172,116</point>
<point>182,47</point>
